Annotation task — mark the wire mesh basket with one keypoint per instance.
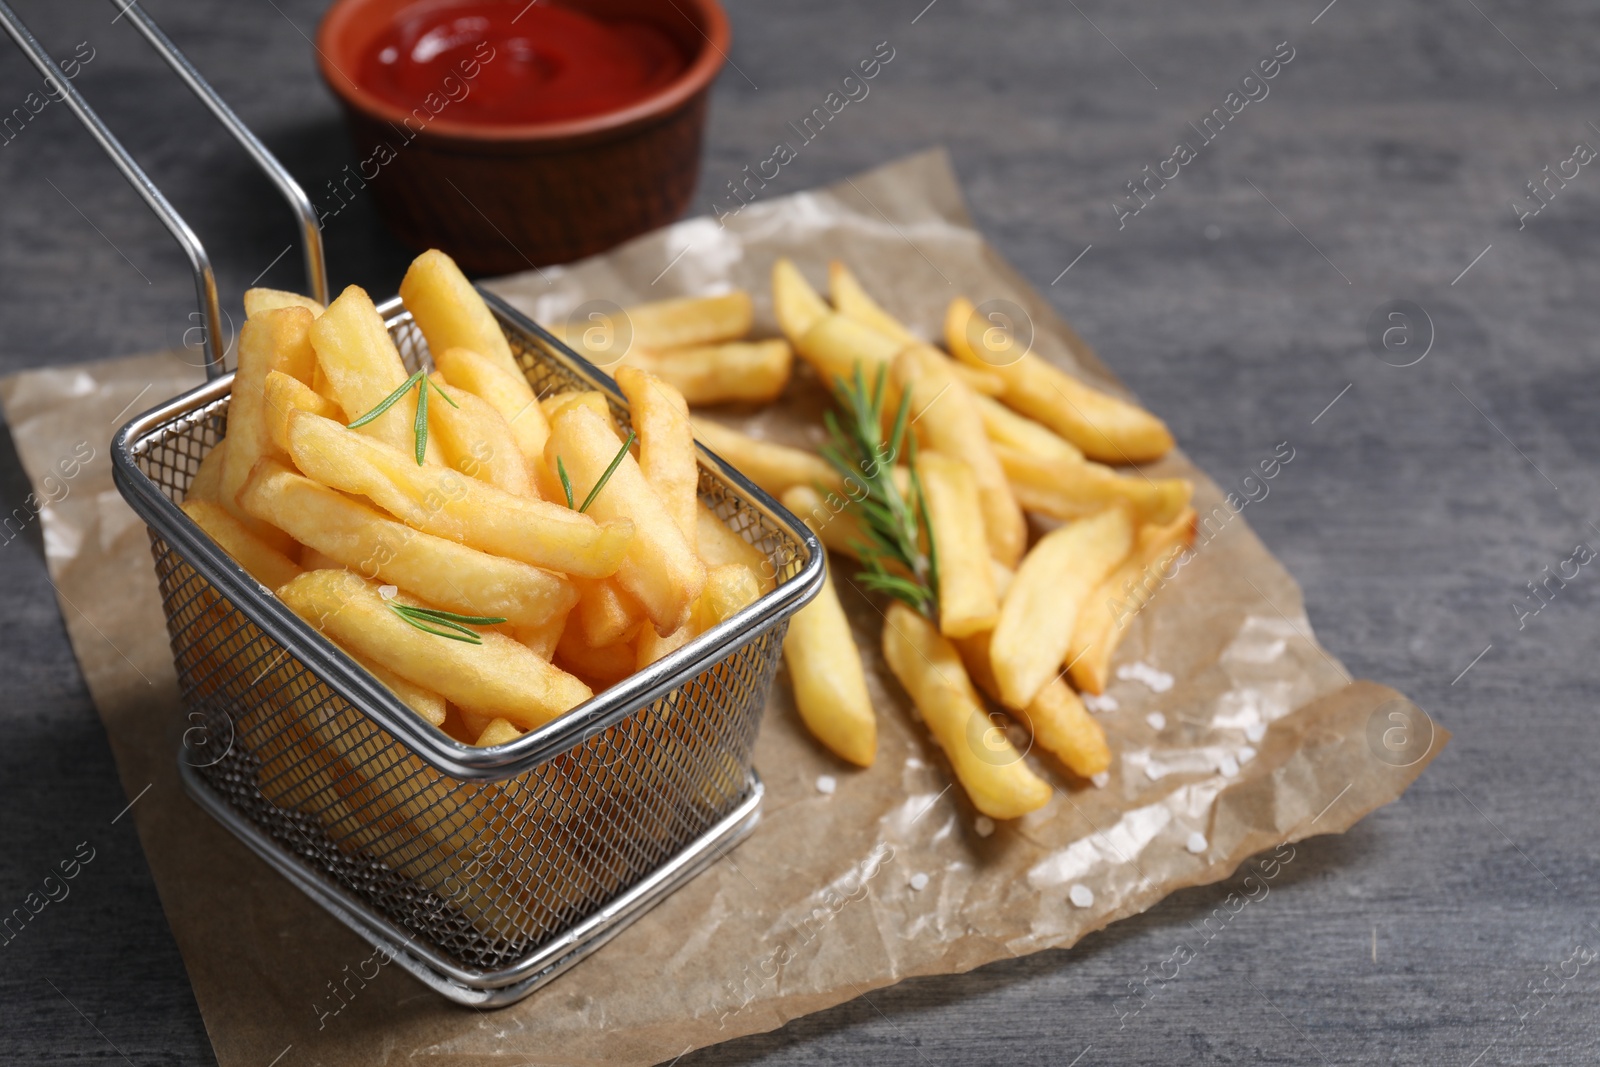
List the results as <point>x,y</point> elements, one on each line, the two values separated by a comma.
<point>483,871</point>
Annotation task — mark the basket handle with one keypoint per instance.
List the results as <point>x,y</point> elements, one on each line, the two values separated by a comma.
<point>205,282</point>
<point>298,201</point>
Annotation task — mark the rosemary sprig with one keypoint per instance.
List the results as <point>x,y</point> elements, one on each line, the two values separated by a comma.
<point>420,426</point>
<point>616,461</point>
<point>450,624</point>
<point>892,557</point>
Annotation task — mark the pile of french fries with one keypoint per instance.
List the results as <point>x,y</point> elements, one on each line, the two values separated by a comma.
<point>1028,614</point>
<point>490,556</point>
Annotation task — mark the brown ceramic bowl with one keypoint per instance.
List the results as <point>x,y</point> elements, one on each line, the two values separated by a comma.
<point>507,198</point>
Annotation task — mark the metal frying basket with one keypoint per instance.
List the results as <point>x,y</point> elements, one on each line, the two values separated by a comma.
<point>484,872</point>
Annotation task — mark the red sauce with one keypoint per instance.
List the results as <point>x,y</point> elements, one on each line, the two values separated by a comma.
<point>509,62</point>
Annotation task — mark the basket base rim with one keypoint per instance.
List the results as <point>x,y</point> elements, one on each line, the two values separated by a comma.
<point>507,985</point>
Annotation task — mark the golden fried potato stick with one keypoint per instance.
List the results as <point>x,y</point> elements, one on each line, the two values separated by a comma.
<point>498,676</point>
<point>600,667</point>
<point>835,346</point>
<point>832,518</point>
<point>363,367</point>
<point>1056,717</point>
<point>1022,434</point>
<point>428,705</point>
<point>774,467</point>
<point>445,503</point>
<point>1103,619</point>
<point>476,441</point>
<point>368,542</point>
<point>730,588</point>
<point>284,395</point>
<point>1105,427</point>
<point>659,567</point>
<point>853,302</point>
<point>606,614</point>
<point>593,399</point>
<point>510,394</point>
<point>945,418</point>
<point>1040,609</point>
<point>986,764</point>
<point>273,341</point>
<point>967,600</point>
<point>748,372</point>
<point>207,481</point>
<point>830,686</point>
<point>796,304</point>
<point>542,638</point>
<point>1068,491</point>
<point>667,455</point>
<point>312,560</point>
<point>498,732</point>
<point>260,560</point>
<point>718,544</point>
<point>258,300</point>
<point>691,320</point>
<point>451,314</point>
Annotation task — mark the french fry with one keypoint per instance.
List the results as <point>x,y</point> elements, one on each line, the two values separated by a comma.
<point>498,732</point>
<point>659,567</point>
<point>499,676</point>
<point>796,304</point>
<point>1055,717</point>
<point>967,600</point>
<point>1102,621</point>
<point>273,341</point>
<point>448,504</point>
<point>693,320</point>
<point>593,399</point>
<point>207,481</point>
<point>982,382</point>
<point>730,588</point>
<point>651,646</point>
<point>476,441</point>
<point>774,467</point>
<point>260,560</point>
<point>830,686</point>
<point>283,395</point>
<point>1022,434</point>
<point>831,518</point>
<point>363,367</point>
<point>605,613</point>
<point>751,372</point>
<point>258,300</point>
<point>852,302</point>
<point>541,639</point>
<point>1105,427</point>
<point>986,764</point>
<point>944,415</point>
<point>667,455</point>
<point>312,560</point>
<point>428,705</point>
<point>717,544</point>
<point>442,572</point>
<point>510,394</point>
<point>1068,491</point>
<point>451,314</point>
<point>835,346</point>
<point>600,667</point>
<point>1040,610</point>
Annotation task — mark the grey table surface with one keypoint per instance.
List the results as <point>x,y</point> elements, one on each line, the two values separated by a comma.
<point>1456,926</point>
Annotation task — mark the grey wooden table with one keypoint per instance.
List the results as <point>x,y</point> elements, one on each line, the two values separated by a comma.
<point>1457,926</point>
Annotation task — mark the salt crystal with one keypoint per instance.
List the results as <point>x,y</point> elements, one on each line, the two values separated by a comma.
<point>1104,702</point>
<point>1228,766</point>
<point>919,881</point>
<point>1158,681</point>
<point>1196,842</point>
<point>1156,720</point>
<point>388,591</point>
<point>1080,895</point>
<point>983,825</point>
<point>1246,754</point>
<point>826,784</point>
<point>1255,731</point>
<point>1101,780</point>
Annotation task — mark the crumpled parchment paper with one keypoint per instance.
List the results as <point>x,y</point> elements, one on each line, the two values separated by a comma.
<point>1261,736</point>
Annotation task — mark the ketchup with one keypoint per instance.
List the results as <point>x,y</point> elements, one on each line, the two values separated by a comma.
<point>512,63</point>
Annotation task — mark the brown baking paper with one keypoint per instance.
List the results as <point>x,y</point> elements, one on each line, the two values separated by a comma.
<point>1265,737</point>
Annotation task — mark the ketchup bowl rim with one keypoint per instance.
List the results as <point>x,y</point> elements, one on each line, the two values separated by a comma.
<point>704,66</point>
